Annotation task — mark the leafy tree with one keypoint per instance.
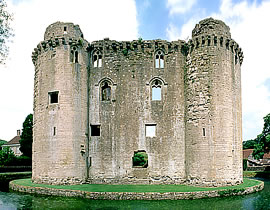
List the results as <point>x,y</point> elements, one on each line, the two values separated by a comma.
<point>27,136</point>
<point>263,140</point>
<point>5,30</point>
<point>7,157</point>
<point>1,143</point>
<point>249,144</point>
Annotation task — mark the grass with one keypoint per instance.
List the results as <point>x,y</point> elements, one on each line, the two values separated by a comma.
<point>137,188</point>
<point>263,174</point>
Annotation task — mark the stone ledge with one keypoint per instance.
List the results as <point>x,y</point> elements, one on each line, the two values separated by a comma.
<point>135,195</point>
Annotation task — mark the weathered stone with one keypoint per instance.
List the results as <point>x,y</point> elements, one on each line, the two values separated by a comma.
<point>93,105</point>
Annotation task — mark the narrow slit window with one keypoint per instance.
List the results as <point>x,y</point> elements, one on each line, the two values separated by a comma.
<point>53,97</point>
<point>95,130</point>
<point>150,130</point>
<point>54,131</point>
<point>203,131</point>
<point>65,30</point>
<point>76,57</point>
<point>71,56</point>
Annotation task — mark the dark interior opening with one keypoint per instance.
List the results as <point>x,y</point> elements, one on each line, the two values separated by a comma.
<point>95,130</point>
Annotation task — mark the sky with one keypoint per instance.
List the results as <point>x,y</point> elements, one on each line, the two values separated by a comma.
<point>126,20</point>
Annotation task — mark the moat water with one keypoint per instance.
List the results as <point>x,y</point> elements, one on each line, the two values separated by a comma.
<point>11,200</point>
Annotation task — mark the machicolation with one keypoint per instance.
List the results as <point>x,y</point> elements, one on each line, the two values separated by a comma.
<point>138,112</point>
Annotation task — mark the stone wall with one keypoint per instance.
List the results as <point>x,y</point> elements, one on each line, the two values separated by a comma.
<point>60,108</point>
<point>97,104</point>
<point>213,107</point>
<point>123,118</point>
<point>135,195</point>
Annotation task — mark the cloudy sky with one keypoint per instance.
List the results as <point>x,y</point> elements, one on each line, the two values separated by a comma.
<point>129,20</point>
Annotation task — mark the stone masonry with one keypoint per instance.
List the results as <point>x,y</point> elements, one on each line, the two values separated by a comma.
<point>98,104</point>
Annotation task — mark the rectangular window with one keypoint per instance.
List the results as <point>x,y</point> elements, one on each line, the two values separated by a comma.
<point>150,130</point>
<point>53,97</point>
<point>203,131</point>
<point>95,130</point>
<point>54,131</point>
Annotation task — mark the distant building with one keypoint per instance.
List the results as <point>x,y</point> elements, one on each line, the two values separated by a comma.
<point>14,144</point>
<point>252,162</point>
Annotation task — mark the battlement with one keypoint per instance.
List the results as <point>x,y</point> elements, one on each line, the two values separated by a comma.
<point>139,45</point>
<point>211,26</point>
<point>60,29</point>
<point>54,42</point>
<point>216,40</point>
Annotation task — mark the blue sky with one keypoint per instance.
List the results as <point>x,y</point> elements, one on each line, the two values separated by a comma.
<point>129,20</point>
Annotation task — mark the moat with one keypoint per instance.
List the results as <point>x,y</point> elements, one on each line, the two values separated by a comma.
<point>259,200</point>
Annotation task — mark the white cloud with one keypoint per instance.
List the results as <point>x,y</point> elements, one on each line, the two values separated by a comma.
<point>180,6</point>
<point>97,19</point>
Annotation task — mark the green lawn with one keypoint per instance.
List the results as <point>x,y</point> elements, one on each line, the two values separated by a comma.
<point>136,188</point>
<point>262,174</point>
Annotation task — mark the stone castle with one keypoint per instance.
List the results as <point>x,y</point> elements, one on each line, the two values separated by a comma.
<point>98,105</point>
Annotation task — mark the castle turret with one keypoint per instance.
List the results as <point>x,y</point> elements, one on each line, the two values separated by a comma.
<point>213,106</point>
<point>60,106</point>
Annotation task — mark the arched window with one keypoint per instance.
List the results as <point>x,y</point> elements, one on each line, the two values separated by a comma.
<point>156,90</point>
<point>105,91</point>
<point>97,59</point>
<point>159,59</point>
<point>74,55</point>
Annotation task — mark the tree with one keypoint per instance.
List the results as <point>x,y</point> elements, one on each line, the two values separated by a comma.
<point>249,144</point>
<point>262,145</point>
<point>5,30</point>
<point>1,143</point>
<point>27,136</point>
<point>7,157</point>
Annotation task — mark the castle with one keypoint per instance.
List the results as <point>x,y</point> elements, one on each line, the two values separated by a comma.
<point>100,106</point>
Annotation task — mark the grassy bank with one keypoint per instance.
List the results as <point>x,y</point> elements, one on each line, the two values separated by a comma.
<point>137,188</point>
<point>261,174</point>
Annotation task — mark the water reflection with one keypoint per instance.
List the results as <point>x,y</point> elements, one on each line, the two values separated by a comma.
<point>260,200</point>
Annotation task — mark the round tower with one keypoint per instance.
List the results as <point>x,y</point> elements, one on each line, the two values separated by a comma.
<point>213,106</point>
<point>60,106</point>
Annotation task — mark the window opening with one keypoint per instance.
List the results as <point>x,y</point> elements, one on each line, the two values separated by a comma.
<point>54,131</point>
<point>53,97</point>
<point>65,30</point>
<point>159,61</point>
<point>140,159</point>
<point>221,41</point>
<point>105,92</point>
<point>203,131</point>
<point>97,59</point>
<point>95,130</point>
<point>150,130</point>
<point>71,56</point>
<point>156,91</point>
<point>236,59</point>
<point>76,57</point>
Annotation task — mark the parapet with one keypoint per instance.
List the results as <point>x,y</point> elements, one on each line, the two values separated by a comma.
<point>60,29</point>
<point>211,26</point>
